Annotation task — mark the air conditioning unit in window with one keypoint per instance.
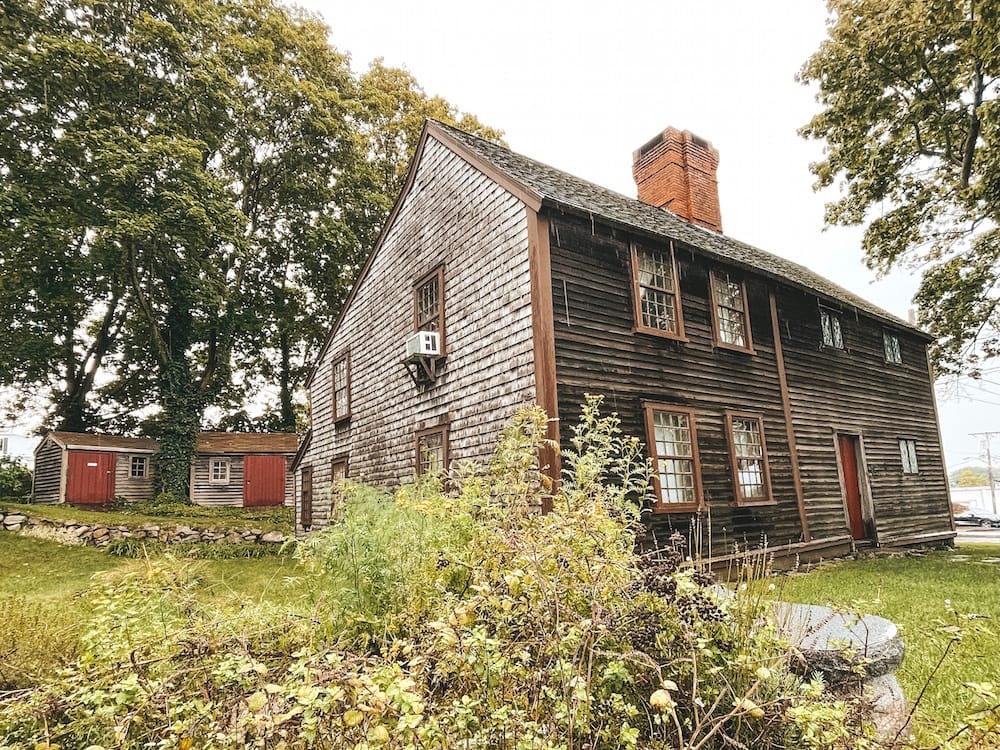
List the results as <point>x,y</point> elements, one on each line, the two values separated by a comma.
<point>423,344</point>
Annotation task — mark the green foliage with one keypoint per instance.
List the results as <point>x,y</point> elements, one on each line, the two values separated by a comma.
<point>459,619</point>
<point>141,549</point>
<point>35,642</point>
<point>15,479</point>
<point>911,122</point>
<point>970,476</point>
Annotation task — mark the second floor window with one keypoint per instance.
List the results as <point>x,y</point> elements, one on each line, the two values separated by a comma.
<point>908,455</point>
<point>342,387</point>
<point>729,312</point>
<point>890,348</point>
<point>428,304</point>
<point>832,334</point>
<point>656,293</point>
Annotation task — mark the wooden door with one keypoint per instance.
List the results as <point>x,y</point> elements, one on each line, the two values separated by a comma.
<point>90,477</point>
<point>306,509</point>
<point>263,480</point>
<point>852,488</point>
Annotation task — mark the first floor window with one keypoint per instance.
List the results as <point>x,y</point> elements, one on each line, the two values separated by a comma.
<point>432,450</point>
<point>219,471</point>
<point>749,458</point>
<point>908,454</point>
<point>339,468</point>
<point>674,450</point>
<point>890,348</point>
<point>832,334</point>
<point>138,467</point>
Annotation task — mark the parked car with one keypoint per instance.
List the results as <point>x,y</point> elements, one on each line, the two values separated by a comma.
<point>978,518</point>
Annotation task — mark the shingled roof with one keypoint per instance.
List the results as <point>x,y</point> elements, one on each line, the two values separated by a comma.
<point>562,190</point>
<point>246,442</point>
<point>106,442</point>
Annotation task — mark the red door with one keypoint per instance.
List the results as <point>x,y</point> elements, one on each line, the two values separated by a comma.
<point>90,477</point>
<point>263,480</point>
<point>852,490</point>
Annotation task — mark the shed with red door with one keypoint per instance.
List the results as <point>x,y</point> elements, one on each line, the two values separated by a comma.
<point>86,469</point>
<point>243,469</point>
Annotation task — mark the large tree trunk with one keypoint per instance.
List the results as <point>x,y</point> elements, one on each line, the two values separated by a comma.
<point>178,427</point>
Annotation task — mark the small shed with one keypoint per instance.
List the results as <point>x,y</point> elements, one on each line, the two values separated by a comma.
<point>85,469</point>
<point>243,469</point>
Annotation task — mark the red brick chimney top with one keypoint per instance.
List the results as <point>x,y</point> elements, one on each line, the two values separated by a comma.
<point>677,170</point>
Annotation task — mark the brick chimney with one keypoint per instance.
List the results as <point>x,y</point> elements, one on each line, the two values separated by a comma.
<point>676,171</point>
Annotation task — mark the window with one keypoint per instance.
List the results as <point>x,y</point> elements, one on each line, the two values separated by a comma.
<point>138,467</point>
<point>748,454</point>
<point>432,450</point>
<point>656,296</point>
<point>428,304</point>
<point>219,471</point>
<point>830,323</point>
<point>673,447</point>
<point>908,454</point>
<point>342,387</point>
<point>3,444</point>
<point>890,348</point>
<point>339,468</point>
<point>729,312</point>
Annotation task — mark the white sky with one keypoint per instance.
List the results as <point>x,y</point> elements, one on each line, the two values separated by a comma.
<point>580,85</point>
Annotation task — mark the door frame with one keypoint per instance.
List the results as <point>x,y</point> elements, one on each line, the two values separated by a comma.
<point>864,485</point>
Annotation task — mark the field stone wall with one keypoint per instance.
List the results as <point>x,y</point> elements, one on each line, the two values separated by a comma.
<point>100,535</point>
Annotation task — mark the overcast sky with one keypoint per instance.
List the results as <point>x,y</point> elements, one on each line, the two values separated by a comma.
<point>581,85</point>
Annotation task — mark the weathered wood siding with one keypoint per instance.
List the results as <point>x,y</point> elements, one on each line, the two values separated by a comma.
<point>452,215</point>
<point>203,492</point>
<point>46,487</point>
<point>854,391</point>
<point>134,489</point>
<point>597,352</point>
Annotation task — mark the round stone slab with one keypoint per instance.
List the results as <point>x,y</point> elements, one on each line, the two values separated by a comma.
<point>839,644</point>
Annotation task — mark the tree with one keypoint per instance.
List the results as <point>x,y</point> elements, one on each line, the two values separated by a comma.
<point>186,192</point>
<point>15,479</point>
<point>912,129</point>
<point>977,476</point>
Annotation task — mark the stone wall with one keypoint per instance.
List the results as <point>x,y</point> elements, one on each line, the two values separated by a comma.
<point>100,535</point>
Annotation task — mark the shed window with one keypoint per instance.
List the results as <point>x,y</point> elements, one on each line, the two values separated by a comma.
<point>428,304</point>
<point>729,312</point>
<point>342,387</point>
<point>138,467</point>
<point>219,471</point>
<point>656,295</point>
<point>748,453</point>
<point>432,450</point>
<point>908,455</point>
<point>832,335</point>
<point>673,447</point>
<point>890,348</point>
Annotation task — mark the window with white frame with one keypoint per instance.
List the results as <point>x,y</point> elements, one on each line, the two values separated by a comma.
<point>890,348</point>
<point>832,334</point>
<point>139,466</point>
<point>219,471</point>
<point>908,455</point>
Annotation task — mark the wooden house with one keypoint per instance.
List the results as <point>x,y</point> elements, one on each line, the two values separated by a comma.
<point>243,469</point>
<point>228,468</point>
<point>772,402</point>
<point>85,469</point>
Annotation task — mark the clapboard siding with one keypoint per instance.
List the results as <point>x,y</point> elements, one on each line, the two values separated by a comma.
<point>452,215</point>
<point>134,489</point>
<point>855,391</point>
<point>598,352</point>
<point>203,492</point>
<point>47,483</point>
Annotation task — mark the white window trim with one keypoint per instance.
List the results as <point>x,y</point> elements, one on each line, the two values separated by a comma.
<point>211,471</point>
<point>131,467</point>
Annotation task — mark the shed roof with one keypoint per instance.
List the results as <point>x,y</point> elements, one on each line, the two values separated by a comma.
<point>562,190</point>
<point>246,442</point>
<point>109,442</point>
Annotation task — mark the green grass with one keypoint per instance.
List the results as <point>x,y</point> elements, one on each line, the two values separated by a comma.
<point>922,595</point>
<point>270,518</point>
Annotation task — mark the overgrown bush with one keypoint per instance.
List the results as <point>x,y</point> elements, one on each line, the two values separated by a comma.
<point>15,480</point>
<point>462,619</point>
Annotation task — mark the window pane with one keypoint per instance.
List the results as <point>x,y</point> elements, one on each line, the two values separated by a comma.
<point>428,305</point>
<point>431,452</point>
<point>830,324</point>
<point>731,327</point>
<point>657,290</point>
<point>890,344</point>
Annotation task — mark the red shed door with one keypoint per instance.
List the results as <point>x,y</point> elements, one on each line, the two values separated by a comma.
<point>263,480</point>
<point>90,477</point>
<point>852,488</point>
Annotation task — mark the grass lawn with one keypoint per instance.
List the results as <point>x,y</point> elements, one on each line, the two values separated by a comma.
<point>922,595</point>
<point>269,518</point>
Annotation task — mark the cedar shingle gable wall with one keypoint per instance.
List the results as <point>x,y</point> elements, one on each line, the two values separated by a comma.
<point>452,214</point>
